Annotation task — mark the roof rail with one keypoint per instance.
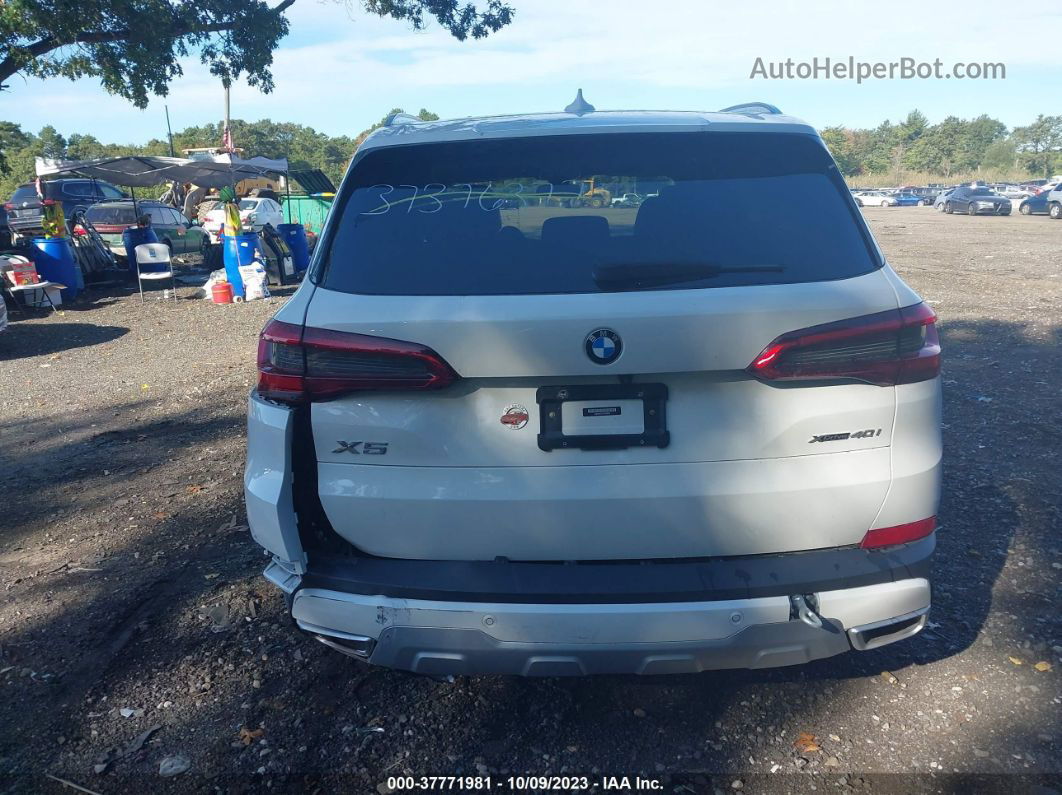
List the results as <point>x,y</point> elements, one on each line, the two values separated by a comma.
<point>751,107</point>
<point>401,118</point>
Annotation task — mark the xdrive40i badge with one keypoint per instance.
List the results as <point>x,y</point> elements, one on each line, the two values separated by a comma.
<point>837,437</point>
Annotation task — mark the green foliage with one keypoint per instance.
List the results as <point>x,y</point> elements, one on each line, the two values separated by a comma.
<point>951,147</point>
<point>303,146</point>
<point>134,47</point>
<point>1000,155</point>
<point>1038,145</point>
<point>52,144</point>
<point>943,151</point>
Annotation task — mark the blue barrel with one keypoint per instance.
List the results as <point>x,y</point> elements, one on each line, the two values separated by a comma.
<point>133,237</point>
<point>295,236</point>
<point>237,251</point>
<point>54,258</point>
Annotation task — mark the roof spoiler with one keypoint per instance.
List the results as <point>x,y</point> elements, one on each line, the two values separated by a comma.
<point>751,108</point>
<point>401,117</point>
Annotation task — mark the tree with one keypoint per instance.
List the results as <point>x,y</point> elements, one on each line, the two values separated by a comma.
<point>51,143</point>
<point>84,147</point>
<point>1000,156</point>
<point>976,137</point>
<point>912,128</point>
<point>1039,143</point>
<point>937,150</point>
<point>12,140</point>
<point>838,141</point>
<point>134,46</point>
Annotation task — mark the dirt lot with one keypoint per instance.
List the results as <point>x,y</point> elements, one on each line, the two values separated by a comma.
<point>134,626</point>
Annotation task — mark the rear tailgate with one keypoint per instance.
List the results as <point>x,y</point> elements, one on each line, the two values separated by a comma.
<point>501,258</point>
<point>24,211</point>
<point>739,476</point>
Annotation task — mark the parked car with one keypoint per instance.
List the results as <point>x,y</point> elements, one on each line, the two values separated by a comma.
<point>25,216</point>
<point>942,197</point>
<point>478,441</point>
<point>976,200</point>
<point>908,200</point>
<point>1013,192</point>
<point>628,200</point>
<point>254,214</point>
<point>925,192</point>
<point>5,230</point>
<point>874,198</point>
<point>1047,187</point>
<point>1034,205</point>
<point>1054,202</point>
<point>171,227</point>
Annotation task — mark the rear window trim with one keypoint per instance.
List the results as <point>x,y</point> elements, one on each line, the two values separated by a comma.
<point>318,270</point>
<point>30,192</point>
<point>101,207</point>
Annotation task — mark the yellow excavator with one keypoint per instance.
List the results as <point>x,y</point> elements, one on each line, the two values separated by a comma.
<point>592,196</point>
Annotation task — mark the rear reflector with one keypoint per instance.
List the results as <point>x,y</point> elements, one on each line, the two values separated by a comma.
<point>898,346</point>
<point>900,534</point>
<point>301,365</point>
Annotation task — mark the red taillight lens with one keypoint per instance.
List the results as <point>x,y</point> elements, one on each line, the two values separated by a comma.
<point>900,534</point>
<point>48,202</point>
<point>9,206</point>
<point>301,365</point>
<point>899,346</point>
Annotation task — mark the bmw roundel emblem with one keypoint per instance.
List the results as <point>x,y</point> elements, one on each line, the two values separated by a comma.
<point>603,346</point>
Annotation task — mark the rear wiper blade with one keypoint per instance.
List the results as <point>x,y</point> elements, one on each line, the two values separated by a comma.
<point>655,273</point>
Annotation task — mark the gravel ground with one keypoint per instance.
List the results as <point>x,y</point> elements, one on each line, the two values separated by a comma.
<point>135,629</point>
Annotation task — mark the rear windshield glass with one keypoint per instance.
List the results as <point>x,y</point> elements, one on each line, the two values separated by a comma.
<point>23,193</point>
<point>553,215</point>
<point>111,215</point>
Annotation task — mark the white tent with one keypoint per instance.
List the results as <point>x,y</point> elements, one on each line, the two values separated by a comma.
<point>145,171</point>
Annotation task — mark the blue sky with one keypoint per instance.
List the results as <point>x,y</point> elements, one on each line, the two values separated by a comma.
<point>340,70</point>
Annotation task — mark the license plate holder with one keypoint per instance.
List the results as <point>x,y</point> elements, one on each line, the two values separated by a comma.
<point>551,434</point>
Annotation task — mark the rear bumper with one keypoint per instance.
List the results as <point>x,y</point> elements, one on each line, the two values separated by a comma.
<point>447,617</point>
<point>26,227</point>
<point>452,638</point>
<point>627,616</point>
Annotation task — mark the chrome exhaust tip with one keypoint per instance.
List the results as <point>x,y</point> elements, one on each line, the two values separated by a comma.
<point>880,633</point>
<point>355,646</point>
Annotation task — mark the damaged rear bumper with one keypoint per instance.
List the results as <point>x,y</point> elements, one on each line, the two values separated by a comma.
<point>558,639</point>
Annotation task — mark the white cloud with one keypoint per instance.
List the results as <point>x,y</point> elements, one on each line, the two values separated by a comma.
<point>342,69</point>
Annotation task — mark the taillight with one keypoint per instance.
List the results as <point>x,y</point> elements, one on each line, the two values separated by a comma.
<point>301,365</point>
<point>899,534</point>
<point>9,206</point>
<point>48,202</point>
<point>898,346</point>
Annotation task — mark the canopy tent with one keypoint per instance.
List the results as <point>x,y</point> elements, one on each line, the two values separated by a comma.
<point>145,171</point>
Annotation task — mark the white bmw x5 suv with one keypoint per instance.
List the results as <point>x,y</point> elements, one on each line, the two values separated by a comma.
<point>501,430</point>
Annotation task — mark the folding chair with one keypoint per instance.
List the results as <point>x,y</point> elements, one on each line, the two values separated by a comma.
<point>154,254</point>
